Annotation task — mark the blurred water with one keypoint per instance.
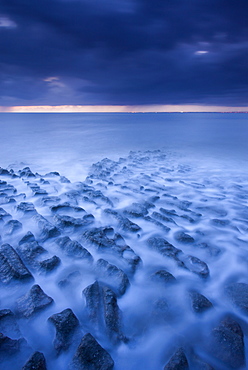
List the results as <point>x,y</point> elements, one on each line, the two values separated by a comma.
<point>70,143</point>
<point>214,182</point>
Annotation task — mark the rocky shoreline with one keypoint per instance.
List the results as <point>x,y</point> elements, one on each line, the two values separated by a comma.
<point>142,265</point>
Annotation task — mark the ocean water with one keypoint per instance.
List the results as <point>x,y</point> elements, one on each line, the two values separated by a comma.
<point>70,143</point>
<point>167,211</point>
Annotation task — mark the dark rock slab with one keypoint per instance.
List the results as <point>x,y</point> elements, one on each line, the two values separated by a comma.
<point>117,279</point>
<point>30,251</point>
<point>12,226</point>
<point>8,324</point>
<point>50,264</point>
<point>11,266</point>
<point>227,344</point>
<point>65,323</point>
<point>164,247</point>
<point>47,229</point>
<point>164,277</point>
<point>91,356</point>
<point>178,361</point>
<point>10,346</point>
<point>199,302</point>
<point>182,237</point>
<point>124,222</point>
<point>195,265</point>
<point>63,221</point>
<point>36,362</point>
<point>66,207</point>
<point>26,172</point>
<point>35,300</point>
<point>103,310</point>
<point>73,248</point>
<point>4,215</point>
<point>27,208</point>
<point>158,216</point>
<point>238,295</point>
<point>107,241</point>
<point>157,223</point>
<point>137,210</point>
<point>28,238</point>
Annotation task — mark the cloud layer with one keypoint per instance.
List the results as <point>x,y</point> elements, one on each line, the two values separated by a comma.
<point>123,52</point>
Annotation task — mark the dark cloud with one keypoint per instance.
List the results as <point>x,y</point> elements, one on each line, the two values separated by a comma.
<point>125,52</point>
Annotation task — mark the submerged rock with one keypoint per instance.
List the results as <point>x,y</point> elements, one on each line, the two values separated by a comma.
<point>238,295</point>
<point>117,278</point>
<point>124,222</point>
<point>91,356</point>
<point>178,361</point>
<point>196,266</point>
<point>163,276</point>
<point>50,264</point>
<point>8,324</point>
<point>73,248</point>
<point>65,323</point>
<point>227,344</point>
<point>46,228</point>
<point>32,302</point>
<point>10,346</point>
<point>12,226</point>
<point>36,362</point>
<point>102,307</point>
<point>182,237</point>
<point>199,302</point>
<point>11,266</point>
<point>164,247</point>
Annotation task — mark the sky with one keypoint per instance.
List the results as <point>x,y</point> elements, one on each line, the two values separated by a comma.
<point>135,53</point>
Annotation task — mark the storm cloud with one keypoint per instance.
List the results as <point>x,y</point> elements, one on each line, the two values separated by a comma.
<point>123,52</point>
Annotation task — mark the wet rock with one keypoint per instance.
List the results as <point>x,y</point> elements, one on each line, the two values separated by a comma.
<point>11,266</point>
<point>137,210</point>
<point>66,207</point>
<point>227,344</point>
<point>238,295</point>
<point>12,226</point>
<point>178,361</point>
<point>73,248</point>
<point>36,362</point>
<point>65,323</point>
<point>10,346</point>
<point>199,302</point>
<point>68,222</point>
<point>163,276</point>
<point>107,241</point>
<point>157,223</point>
<point>195,265</point>
<point>30,250</point>
<point>69,280</point>
<point>3,171</point>
<point>164,247</point>
<point>8,324</point>
<point>28,238</point>
<point>102,307</point>
<point>91,356</point>
<point>158,216</point>
<point>93,295</point>
<point>182,237</point>
<point>27,208</point>
<point>124,222</point>
<point>49,200</point>
<point>50,264</point>
<point>4,215</point>
<point>7,188</point>
<point>32,302</point>
<point>47,229</point>
<point>117,278</point>
<point>26,172</point>
<point>220,223</point>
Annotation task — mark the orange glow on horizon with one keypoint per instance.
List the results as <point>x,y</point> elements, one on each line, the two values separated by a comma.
<point>119,109</point>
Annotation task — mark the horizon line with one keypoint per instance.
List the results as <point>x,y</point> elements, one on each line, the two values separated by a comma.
<point>152,108</point>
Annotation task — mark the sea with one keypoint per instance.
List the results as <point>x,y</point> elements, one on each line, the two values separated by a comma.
<point>134,223</point>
